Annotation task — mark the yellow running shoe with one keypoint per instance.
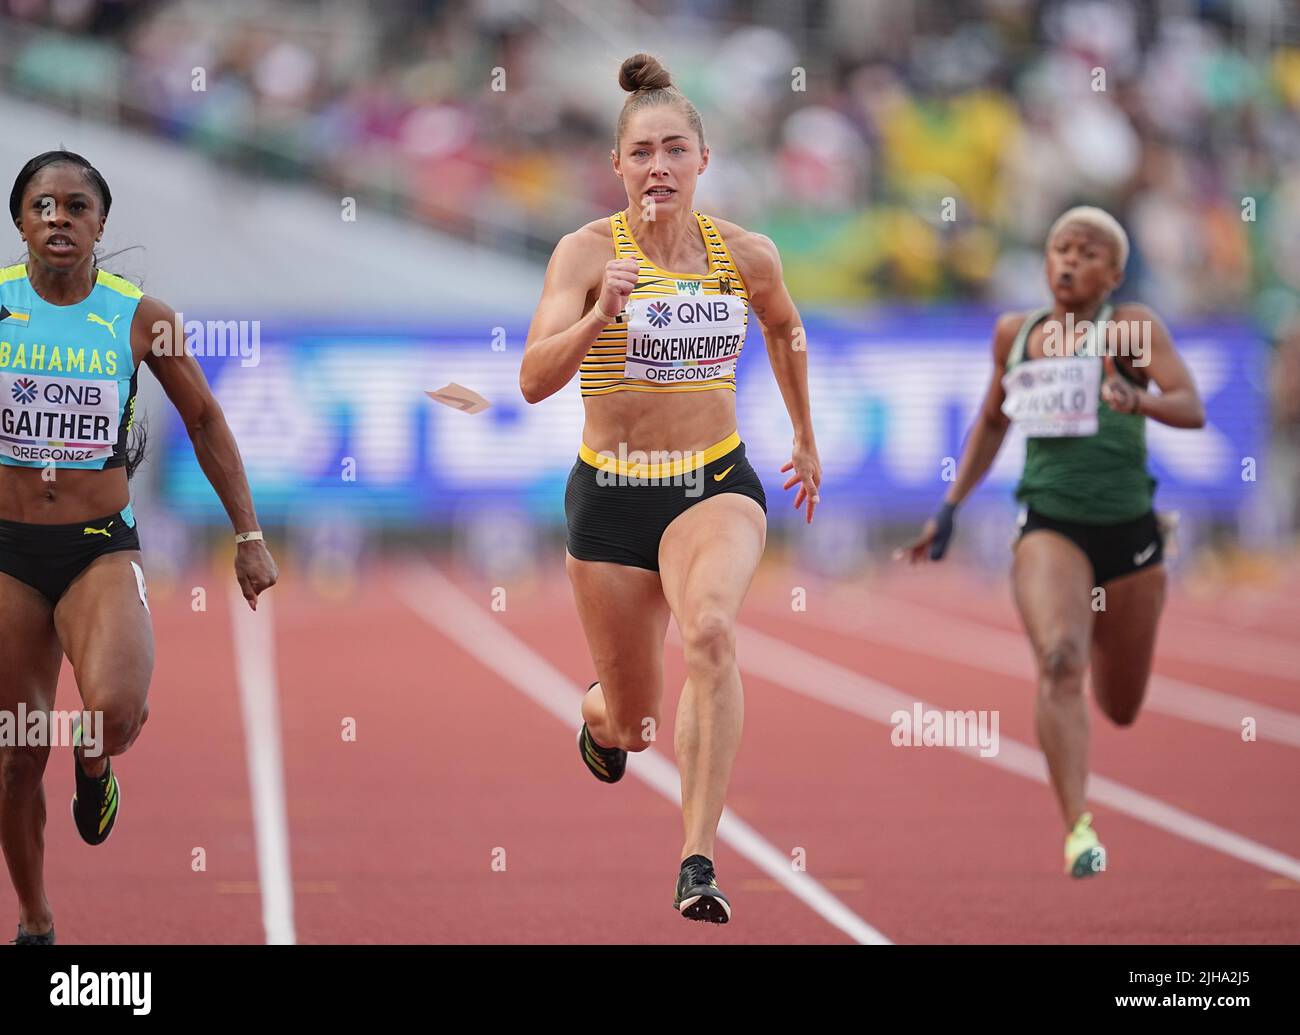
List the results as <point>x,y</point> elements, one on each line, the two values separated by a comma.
<point>1084,854</point>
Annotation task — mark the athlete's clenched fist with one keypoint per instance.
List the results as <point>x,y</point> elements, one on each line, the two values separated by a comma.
<point>620,279</point>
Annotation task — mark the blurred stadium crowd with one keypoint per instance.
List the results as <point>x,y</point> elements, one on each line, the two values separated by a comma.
<point>838,127</point>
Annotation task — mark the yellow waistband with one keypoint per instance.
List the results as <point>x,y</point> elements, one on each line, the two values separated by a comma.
<point>658,464</point>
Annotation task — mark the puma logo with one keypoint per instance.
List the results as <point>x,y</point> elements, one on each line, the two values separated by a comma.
<point>718,477</point>
<point>1140,559</point>
<point>92,318</point>
<point>99,531</point>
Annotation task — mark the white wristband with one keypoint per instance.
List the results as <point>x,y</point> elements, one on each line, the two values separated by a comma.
<point>605,318</point>
<point>247,537</point>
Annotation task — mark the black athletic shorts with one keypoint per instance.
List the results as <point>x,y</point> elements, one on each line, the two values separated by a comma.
<point>617,513</point>
<point>49,557</point>
<point>1113,550</point>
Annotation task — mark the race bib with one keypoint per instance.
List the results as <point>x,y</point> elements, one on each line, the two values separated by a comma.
<point>1054,398</point>
<point>680,339</point>
<point>59,419</point>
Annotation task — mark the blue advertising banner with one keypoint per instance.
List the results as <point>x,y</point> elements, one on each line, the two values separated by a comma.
<point>337,418</point>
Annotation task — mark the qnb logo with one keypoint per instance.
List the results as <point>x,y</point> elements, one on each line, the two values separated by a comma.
<point>93,988</point>
<point>659,314</point>
<point>716,311</point>
<point>24,390</point>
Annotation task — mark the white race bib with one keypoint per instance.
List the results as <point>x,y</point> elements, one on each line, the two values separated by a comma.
<point>46,418</point>
<point>680,339</point>
<point>1054,397</point>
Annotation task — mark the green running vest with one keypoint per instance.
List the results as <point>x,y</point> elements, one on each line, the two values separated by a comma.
<point>1099,479</point>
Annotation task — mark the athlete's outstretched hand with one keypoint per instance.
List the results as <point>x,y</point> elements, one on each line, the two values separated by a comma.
<point>620,279</point>
<point>1118,394</point>
<point>933,540</point>
<point>254,569</point>
<point>807,468</point>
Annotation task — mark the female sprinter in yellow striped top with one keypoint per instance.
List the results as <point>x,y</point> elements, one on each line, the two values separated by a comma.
<point>664,513</point>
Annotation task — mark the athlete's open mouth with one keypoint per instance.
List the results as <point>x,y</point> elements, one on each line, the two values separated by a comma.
<point>60,243</point>
<point>660,192</point>
<point>1065,280</point>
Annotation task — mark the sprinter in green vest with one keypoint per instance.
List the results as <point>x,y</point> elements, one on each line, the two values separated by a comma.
<point>72,337</point>
<point>1075,376</point>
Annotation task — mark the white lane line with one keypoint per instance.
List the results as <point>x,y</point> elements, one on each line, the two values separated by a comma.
<point>1247,652</point>
<point>910,626</point>
<point>812,676</point>
<point>254,635</point>
<point>440,603</point>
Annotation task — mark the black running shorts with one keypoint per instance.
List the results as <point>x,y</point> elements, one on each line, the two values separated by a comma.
<point>49,557</point>
<point>1113,550</point>
<point>618,512</point>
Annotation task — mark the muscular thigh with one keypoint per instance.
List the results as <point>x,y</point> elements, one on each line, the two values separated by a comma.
<point>708,556</point>
<point>1124,640</point>
<point>105,629</point>
<point>30,657</point>
<point>624,616</point>
<point>1052,581</point>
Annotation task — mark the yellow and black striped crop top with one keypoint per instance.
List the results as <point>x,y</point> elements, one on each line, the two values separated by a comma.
<point>678,332</point>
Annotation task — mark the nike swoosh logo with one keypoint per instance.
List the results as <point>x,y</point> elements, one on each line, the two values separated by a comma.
<point>1145,555</point>
<point>719,477</point>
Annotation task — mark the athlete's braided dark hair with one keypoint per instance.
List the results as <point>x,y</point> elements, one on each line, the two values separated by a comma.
<point>38,163</point>
<point>136,447</point>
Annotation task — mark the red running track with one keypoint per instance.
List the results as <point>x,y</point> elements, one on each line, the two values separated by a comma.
<point>394,835</point>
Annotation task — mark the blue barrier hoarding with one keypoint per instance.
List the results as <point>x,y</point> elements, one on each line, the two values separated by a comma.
<point>337,418</point>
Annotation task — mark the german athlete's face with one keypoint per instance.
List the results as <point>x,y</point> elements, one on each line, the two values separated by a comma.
<point>659,160</point>
<point>61,216</point>
<point>1081,265</point>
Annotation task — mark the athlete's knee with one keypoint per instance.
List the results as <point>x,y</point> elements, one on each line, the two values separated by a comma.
<point>1123,712</point>
<point>121,719</point>
<point>633,734</point>
<point>21,771</point>
<point>709,639</point>
<point>1123,716</point>
<point>1060,668</point>
<point>634,741</point>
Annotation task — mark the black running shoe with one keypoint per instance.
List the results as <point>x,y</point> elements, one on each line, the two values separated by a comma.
<point>698,896</point>
<point>94,805</point>
<point>606,764</point>
<point>27,938</point>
